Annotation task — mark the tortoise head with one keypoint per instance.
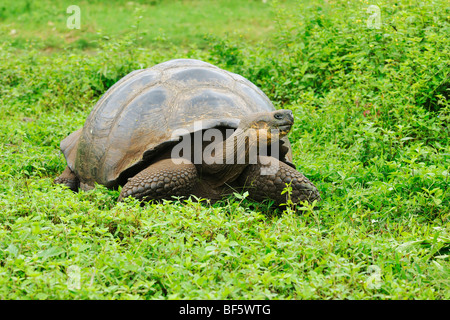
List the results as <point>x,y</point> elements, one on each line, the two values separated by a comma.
<point>253,133</point>
<point>270,126</point>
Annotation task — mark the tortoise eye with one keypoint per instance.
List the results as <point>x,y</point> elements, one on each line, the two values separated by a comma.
<point>278,116</point>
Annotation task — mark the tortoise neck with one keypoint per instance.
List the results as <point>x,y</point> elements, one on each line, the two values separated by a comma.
<point>233,151</point>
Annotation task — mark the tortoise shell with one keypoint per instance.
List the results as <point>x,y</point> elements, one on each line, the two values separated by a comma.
<point>138,115</point>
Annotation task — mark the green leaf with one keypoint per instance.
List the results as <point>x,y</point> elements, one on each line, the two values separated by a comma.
<point>50,252</point>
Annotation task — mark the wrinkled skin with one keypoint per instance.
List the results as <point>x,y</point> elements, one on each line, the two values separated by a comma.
<point>164,178</point>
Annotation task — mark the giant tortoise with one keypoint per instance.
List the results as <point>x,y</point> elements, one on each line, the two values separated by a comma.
<point>133,135</point>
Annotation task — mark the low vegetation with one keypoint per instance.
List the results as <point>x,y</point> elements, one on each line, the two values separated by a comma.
<point>372,132</point>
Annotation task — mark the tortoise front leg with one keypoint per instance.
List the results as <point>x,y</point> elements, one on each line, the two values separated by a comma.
<point>69,179</point>
<point>269,186</point>
<point>161,180</point>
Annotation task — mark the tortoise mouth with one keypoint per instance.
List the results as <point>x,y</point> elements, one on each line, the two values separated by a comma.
<point>285,129</point>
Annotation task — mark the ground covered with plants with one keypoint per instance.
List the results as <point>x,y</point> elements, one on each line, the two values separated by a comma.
<point>372,132</point>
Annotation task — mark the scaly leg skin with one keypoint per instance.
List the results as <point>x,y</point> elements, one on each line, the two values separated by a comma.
<point>161,180</point>
<point>69,179</point>
<point>269,186</point>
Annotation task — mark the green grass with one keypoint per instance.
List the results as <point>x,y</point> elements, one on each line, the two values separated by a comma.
<point>372,132</point>
<point>162,23</point>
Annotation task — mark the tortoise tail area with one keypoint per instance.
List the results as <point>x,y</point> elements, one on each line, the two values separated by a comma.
<point>69,149</point>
